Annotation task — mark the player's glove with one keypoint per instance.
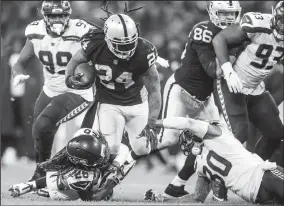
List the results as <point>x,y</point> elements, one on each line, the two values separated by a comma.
<point>20,78</point>
<point>150,133</point>
<point>152,195</point>
<point>232,79</point>
<point>74,82</point>
<point>20,189</point>
<point>163,62</point>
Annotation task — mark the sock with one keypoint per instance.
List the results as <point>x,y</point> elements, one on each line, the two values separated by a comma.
<point>188,168</point>
<point>178,182</point>
<point>122,155</point>
<point>40,183</point>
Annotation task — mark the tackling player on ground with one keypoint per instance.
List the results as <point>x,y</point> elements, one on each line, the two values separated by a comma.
<point>74,172</point>
<point>223,158</point>
<point>53,40</point>
<point>188,91</point>
<point>241,94</point>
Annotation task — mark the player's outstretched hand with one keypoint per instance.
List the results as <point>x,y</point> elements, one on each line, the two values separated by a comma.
<point>74,82</point>
<point>20,78</point>
<point>150,133</point>
<point>163,62</point>
<point>152,195</point>
<point>20,189</point>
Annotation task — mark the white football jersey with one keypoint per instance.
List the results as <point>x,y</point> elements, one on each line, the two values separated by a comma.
<point>225,159</point>
<point>258,58</point>
<point>55,53</point>
<point>74,180</point>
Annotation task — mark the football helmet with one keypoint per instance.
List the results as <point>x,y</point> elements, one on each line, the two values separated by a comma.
<point>56,15</point>
<point>88,148</point>
<point>277,21</point>
<point>121,35</point>
<point>224,13</point>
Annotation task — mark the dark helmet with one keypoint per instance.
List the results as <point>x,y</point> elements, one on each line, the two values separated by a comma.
<point>88,148</point>
<point>277,21</point>
<point>61,9</point>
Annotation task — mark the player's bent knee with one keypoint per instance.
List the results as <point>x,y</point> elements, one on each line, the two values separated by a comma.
<point>142,150</point>
<point>42,124</point>
<point>114,148</point>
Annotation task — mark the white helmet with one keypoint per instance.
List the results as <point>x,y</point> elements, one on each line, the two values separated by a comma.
<point>224,13</point>
<point>121,35</point>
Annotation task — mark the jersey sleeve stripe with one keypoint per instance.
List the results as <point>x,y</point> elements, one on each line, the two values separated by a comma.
<point>256,30</point>
<point>71,38</point>
<point>35,36</point>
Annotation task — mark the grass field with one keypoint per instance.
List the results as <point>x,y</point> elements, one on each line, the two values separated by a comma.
<point>129,192</point>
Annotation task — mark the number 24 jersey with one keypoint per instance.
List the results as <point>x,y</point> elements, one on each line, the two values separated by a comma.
<point>118,81</point>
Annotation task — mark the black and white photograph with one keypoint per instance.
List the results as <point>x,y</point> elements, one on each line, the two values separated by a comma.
<point>142,102</point>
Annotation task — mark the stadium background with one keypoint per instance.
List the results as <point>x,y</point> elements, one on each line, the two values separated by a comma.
<point>165,23</point>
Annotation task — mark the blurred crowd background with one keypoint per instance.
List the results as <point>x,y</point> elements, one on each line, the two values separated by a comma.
<point>165,23</point>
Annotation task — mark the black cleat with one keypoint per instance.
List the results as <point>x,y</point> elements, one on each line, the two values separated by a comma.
<point>220,192</point>
<point>37,174</point>
<point>173,191</point>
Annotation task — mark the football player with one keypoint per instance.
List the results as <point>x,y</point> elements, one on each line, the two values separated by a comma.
<point>128,86</point>
<point>53,40</point>
<point>74,172</point>
<point>188,91</point>
<point>241,94</point>
<point>223,158</point>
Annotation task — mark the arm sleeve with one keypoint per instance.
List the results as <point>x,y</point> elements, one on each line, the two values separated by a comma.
<point>207,58</point>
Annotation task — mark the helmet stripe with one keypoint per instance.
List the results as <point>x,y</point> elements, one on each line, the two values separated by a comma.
<point>124,25</point>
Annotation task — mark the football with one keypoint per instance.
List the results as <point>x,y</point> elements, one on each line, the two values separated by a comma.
<point>88,71</point>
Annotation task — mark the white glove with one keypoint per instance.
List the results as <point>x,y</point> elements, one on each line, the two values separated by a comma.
<point>234,83</point>
<point>20,189</point>
<point>20,78</point>
<point>163,62</point>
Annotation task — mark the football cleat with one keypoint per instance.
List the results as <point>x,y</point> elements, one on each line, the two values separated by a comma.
<point>172,192</point>
<point>38,173</point>
<point>43,192</point>
<point>20,189</point>
<point>220,192</point>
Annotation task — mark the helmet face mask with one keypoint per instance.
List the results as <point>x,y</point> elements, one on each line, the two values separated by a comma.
<point>88,148</point>
<point>121,35</point>
<point>277,21</point>
<point>56,15</point>
<point>224,13</point>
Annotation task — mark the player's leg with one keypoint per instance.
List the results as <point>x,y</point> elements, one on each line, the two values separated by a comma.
<point>233,107</point>
<point>264,114</point>
<point>272,186</point>
<point>42,101</point>
<point>111,124</point>
<point>59,109</point>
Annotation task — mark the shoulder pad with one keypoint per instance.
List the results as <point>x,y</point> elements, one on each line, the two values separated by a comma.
<point>35,30</point>
<point>253,22</point>
<point>203,32</point>
<point>149,51</point>
<point>92,41</point>
<point>79,27</point>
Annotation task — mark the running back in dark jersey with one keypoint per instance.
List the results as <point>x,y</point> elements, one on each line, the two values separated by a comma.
<point>196,61</point>
<point>118,80</point>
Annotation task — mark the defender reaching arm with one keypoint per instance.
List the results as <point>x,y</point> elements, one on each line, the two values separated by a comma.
<point>229,36</point>
<point>25,56</point>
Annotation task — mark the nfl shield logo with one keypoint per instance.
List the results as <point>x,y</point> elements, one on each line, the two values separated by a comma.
<point>115,61</point>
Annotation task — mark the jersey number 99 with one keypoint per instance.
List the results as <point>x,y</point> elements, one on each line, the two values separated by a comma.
<point>62,59</point>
